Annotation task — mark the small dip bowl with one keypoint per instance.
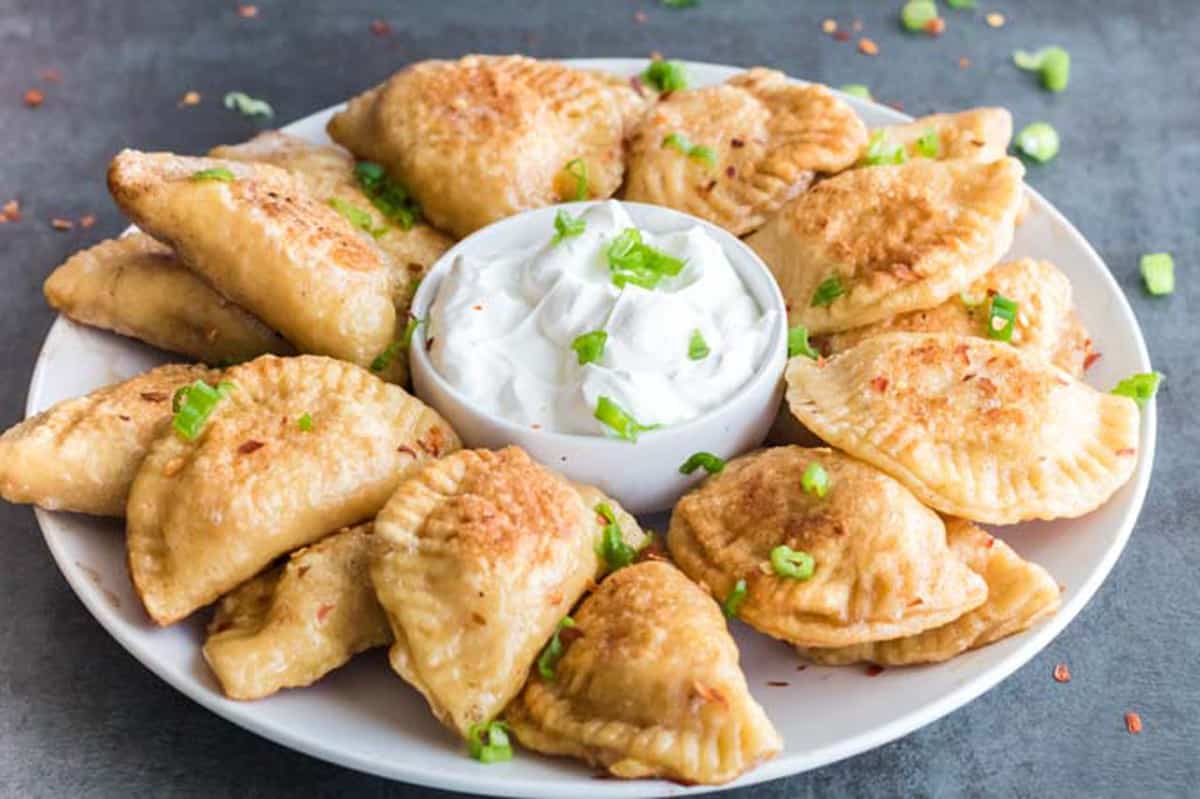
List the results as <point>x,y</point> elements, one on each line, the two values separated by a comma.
<point>643,476</point>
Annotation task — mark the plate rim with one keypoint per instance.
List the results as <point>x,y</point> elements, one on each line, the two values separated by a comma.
<point>783,765</point>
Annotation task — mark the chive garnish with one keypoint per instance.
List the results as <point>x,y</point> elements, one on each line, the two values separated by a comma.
<point>792,563</point>
<point>798,343</point>
<point>388,196</point>
<point>577,168</point>
<point>829,290</point>
<point>488,742</point>
<point>567,226</point>
<point>1158,272</point>
<point>616,553</point>
<point>247,105</point>
<point>815,480</point>
<point>665,76</point>
<point>930,144</point>
<point>706,460</point>
<point>193,404</point>
<point>589,347</point>
<point>1039,141</point>
<point>553,650</point>
<point>916,14</point>
<point>958,5</point>
<point>410,328</point>
<point>697,347</point>
<point>1140,387</point>
<point>618,420</point>
<point>1002,318</point>
<point>856,90</point>
<point>631,261</point>
<point>696,152</point>
<point>218,173</point>
<point>305,423</point>
<point>385,358</point>
<point>734,601</point>
<point>356,216</point>
<point>1052,63</point>
<point>881,150</point>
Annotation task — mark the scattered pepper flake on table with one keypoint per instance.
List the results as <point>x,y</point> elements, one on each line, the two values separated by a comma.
<point>11,211</point>
<point>1062,673</point>
<point>867,46</point>
<point>935,26</point>
<point>34,98</point>
<point>829,25</point>
<point>995,19</point>
<point>190,98</point>
<point>964,63</point>
<point>841,36</point>
<point>87,220</point>
<point>59,223</point>
<point>873,670</point>
<point>380,27</point>
<point>1133,723</point>
<point>246,11</point>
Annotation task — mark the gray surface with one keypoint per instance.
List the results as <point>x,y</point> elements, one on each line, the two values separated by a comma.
<point>79,716</point>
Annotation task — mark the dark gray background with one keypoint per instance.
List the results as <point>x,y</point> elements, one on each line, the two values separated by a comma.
<point>79,716</point>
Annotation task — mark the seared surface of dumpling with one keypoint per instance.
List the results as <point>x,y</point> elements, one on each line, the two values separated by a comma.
<point>976,428</point>
<point>135,286</point>
<point>82,454</point>
<point>768,137</point>
<point>1020,594</point>
<point>485,137</point>
<point>265,243</point>
<point>648,686</point>
<point>882,567</point>
<point>977,134</point>
<point>1046,322</point>
<point>477,558</point>
<point>290,626</point>
<point>208,514</point>
<point>871,243</point>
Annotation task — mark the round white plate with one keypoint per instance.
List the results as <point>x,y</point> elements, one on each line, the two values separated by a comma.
<point>364,717</point>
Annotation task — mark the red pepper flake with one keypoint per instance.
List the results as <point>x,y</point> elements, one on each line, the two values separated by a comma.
<point>124,418</point>
<point>50,75</point>
<point>34,98</point>
<point>829,25</point>
<point>730,172</point>
<point>476,307</point>
<point>778,683</point>
<point>991,542</point>
<point>879,383</point>
<point>1090,360</point>
<point>154,396</point>
<point>324,611</point>
<point>250,446</point>
<point>873,670</point>
<point>964,63</point>
<point>1133,723</point>
<point>639,17</point>
<point>87,220</point>
<point>61,224</point>
<point>841,36</point>
<point>712,184</point>
<point>1127,451</point>
<point>407,450</point>
<point>246,11</point>
<point>736,143</point>
<point>801,667</point>
<point>935,26</point>
<point>535,426</point>
<point>867,46</point>
<point>380,27</point>
<point>189,99</point>
<point>11,212</point>
<point>1062,673</point>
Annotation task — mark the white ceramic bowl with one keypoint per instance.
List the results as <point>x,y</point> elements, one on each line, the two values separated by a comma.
<point>644,476</point>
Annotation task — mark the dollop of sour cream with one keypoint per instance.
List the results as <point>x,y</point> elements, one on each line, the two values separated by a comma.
<point>502,329</point>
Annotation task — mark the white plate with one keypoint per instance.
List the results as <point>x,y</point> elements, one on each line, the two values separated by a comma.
<point>366,718</point>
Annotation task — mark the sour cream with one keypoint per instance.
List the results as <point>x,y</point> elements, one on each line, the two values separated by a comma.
<point>502,328</point>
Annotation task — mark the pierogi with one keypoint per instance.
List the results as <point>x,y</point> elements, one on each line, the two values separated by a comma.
<point>977,134</point>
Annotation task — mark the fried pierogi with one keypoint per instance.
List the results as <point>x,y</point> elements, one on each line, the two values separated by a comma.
<point>136,286</point>
<point>868,244</point>
<point>881,566</point>
<point>485,137</point>
<point>292,625</point>
<point>82,454</point>
<point>207,514</point>
<point>1046,323</point>
<point>648,686</point>
<point>976,428</point>
<point>1020,594</point>
<point>262,241</point>
<point>734,153</point>
<point>977,134</point>
<point>477,558</point>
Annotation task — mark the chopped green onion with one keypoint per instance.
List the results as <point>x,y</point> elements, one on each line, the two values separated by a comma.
<point>830,289</point>
<point>410,328</point>
<point>385,358</point>
<point>589,347</point>
<point>881,151</point>
<point>958,5</point>
<point>356,216</point>
<point>216,173</point>
<point>916,14</point>
<point>577,168</point>
<point>681,3</point>
<point>734,601</point>
<point>792,563</point>
<point>798,343</point>
<point>567,226</point>
<point>694,151</point>
<point>388,196</point>
<point>1139,388</point>
<point>1002,318</point>
<point>697,347</point>
<point>930,144</point>
<point>616,553</point>
<point>631,261</point>
<point>553,651</point>
<point>815,480</point>
<point>665,76</point>
<point>857,90</point>
<point>710,463</point>
<point>705,155</point>
<point>305,423</point>
<point>617,419</point>
<point>247,105</point>
<point>1052,63</point>
<point>1039,141</point>
<point>488,742</point>
<point>193,404</point>
<point>1158,271</point>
